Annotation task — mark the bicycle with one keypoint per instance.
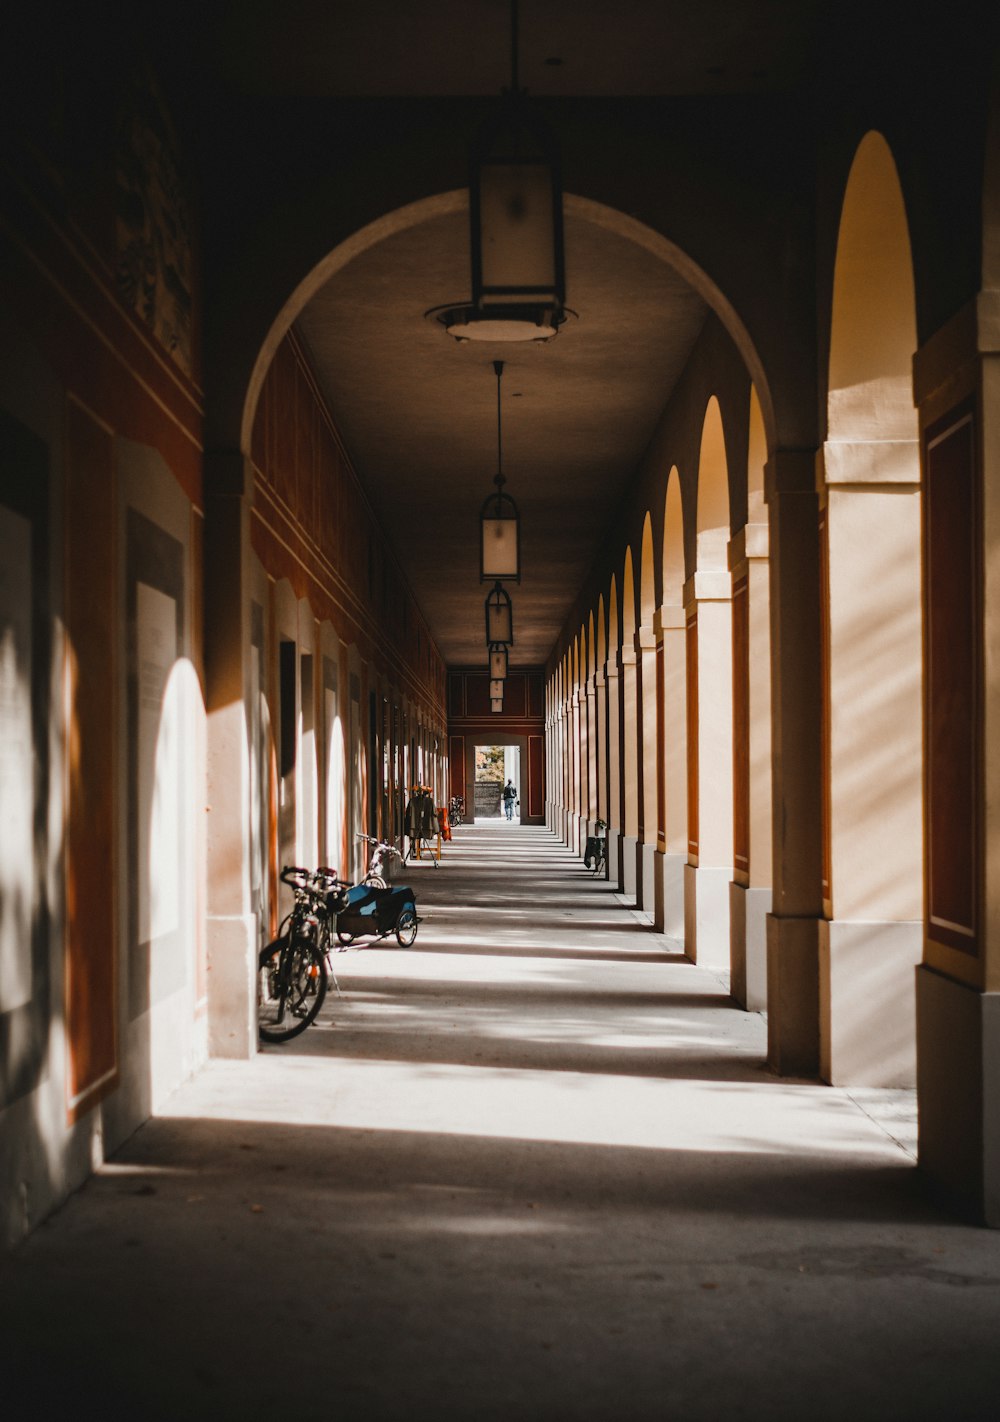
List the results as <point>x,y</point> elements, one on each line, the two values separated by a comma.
<point>292,970</point>
<point>375,875</point>
<point>456,810</point>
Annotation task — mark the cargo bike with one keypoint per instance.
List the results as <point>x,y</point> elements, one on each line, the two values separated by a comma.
<point>375,908</point>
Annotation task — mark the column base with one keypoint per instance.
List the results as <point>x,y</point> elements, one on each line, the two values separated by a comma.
<point>867,1007</point>
<point>958,1087</point>
<point>706,915</point>
<point>670,896</point>
<point>793,995</point>
<point>748,910</point>
<point>630,845</point>
<point>614,851</point>
<point>232,986</point>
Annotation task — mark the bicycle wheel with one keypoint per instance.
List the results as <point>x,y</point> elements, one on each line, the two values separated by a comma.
<point>374,881</point>
<point>344,936</point>
<point>291,986</point>
<point>406,928</point>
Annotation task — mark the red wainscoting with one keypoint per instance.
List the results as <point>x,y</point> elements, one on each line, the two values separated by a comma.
<point>951,685</point>
<point>91,1012</point>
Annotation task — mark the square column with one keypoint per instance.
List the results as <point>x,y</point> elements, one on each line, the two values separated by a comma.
<point>592,734</point>
<point>709,870</point>
<point>627,660</point>
<point>675,769</point>
<point>232,930</point>
<point>796,720</point>
<point>750,891</point>
<point>645,647</point>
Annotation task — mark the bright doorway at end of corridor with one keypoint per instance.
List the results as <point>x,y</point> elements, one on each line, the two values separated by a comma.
<point>498,783</point>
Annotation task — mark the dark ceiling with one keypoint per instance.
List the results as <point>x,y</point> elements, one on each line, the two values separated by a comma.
<point>417,412</point>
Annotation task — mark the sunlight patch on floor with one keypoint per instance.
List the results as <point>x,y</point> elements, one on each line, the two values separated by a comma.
<point>510,1103</point>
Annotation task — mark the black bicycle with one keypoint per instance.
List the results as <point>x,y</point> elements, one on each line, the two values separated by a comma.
<point>292,969</point>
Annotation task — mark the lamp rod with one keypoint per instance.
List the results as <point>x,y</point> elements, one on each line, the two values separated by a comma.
<point>513,46</point>
<point>499,480</point>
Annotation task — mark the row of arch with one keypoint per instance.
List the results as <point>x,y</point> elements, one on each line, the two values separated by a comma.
<point>660,706</point>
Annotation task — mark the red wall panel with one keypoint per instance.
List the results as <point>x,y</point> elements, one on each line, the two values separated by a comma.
<point>91,1012</point>
<point>952,681</point>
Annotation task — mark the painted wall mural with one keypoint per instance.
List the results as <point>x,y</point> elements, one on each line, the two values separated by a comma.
<point>152,221</point>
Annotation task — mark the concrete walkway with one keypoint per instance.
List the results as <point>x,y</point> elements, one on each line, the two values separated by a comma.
<point>532,1168</point>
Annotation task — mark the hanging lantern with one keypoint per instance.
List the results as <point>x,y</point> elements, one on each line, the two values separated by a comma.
<point>499,520</point>
<point>499,616</point>
<point>500,539</point>
<point>498,662</point>
<point>516,226</point>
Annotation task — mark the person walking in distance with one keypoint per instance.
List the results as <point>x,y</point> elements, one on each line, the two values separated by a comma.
<point>509,799</point>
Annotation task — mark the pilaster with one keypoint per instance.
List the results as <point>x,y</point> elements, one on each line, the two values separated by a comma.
<point>793,924</point>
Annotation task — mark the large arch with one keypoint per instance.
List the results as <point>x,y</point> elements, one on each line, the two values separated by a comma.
<point>871,937</point>
<point>231,414</point>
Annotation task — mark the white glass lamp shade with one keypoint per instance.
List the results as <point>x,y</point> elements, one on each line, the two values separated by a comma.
<point>500,539</point>
<point>500,550</point>
<point>498,663</point>
<point>496,689</point>
<point>496,703</point>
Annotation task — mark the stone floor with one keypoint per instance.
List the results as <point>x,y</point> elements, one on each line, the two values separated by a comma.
<point>533,1167</point>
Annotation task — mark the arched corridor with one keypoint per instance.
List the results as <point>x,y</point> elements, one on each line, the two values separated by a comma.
<point>533,1166</point>
<point>617,386</point>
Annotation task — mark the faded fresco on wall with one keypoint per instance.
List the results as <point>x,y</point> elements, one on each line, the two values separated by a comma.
<point>152,222</point>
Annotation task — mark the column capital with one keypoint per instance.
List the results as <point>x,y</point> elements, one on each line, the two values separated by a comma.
<point>790,471</point>
<point>228,474</point>
<point>668,618</point>
<point>709,585</point>
<point>751,542</point>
